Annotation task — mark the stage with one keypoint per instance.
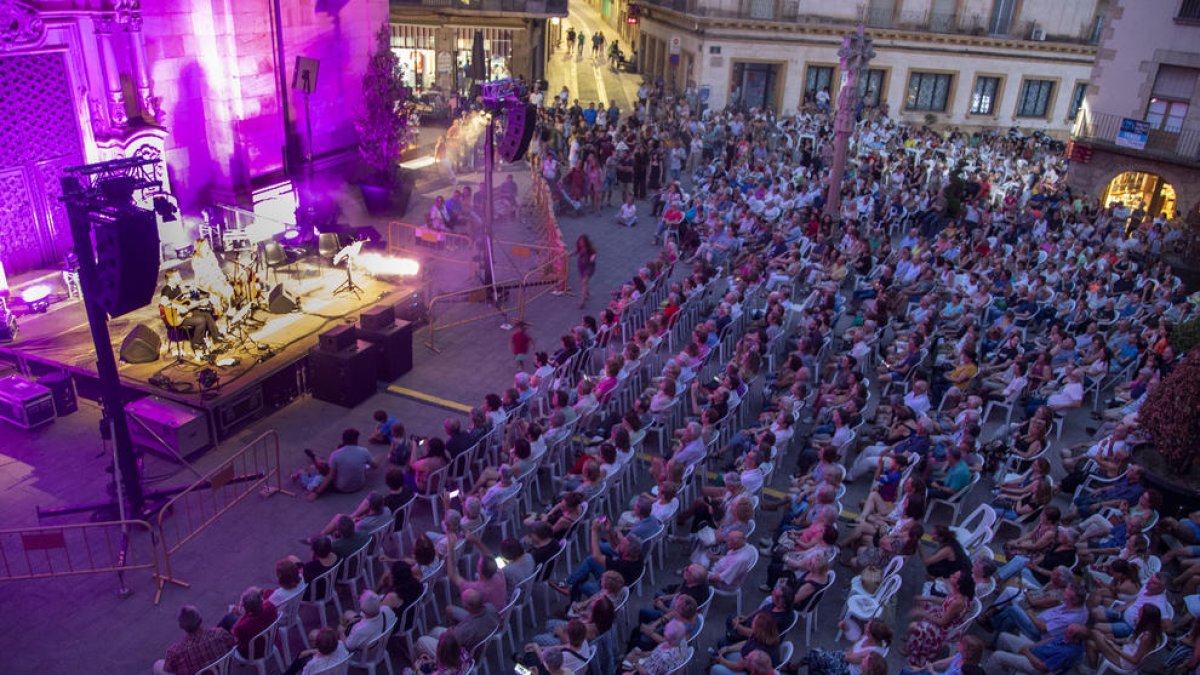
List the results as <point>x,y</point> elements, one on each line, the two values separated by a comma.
<point>269,368</point>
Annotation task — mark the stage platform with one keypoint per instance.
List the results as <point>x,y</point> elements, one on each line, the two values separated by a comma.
<point>270,369</point>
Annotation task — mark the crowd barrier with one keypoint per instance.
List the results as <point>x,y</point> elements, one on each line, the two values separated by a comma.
<point>111,547</point>
<point>255,469</point>
<point>430,243</point>
<point>547,275</point>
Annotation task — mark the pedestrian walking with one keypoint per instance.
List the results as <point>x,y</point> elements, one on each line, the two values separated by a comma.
<point>585,262</point>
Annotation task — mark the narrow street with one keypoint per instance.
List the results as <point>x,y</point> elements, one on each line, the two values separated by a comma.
<point>587,79</point>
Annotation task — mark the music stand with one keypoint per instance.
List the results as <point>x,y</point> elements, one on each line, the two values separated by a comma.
<point>349,254</point>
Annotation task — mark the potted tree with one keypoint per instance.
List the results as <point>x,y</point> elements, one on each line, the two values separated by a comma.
<point>383,131</point>
<point>1171,415</point>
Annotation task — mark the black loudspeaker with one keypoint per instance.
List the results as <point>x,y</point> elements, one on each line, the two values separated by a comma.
<point>346,378</point>
<point>280,301</point>
<point>337,339</point>
<point>141,345</point>
<point>412,308</point>
<point>395,344</point>
<point>377,318</point>
<point>519,123</point>
<point>126,260</point>
<point>62,387</point>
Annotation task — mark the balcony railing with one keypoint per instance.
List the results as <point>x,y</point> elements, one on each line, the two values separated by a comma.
<point>930,21</point>
<point>550,7</point>
<point>1182,145</point>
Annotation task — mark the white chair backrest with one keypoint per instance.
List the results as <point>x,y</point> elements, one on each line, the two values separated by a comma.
<point>218,667</point>
<point>889,587</point>
<point>260,645</point>
<point>340,668</point>
<point>374,651</point>
<point>691,651</point>
<point>352,565</point>
<point>323,586</point>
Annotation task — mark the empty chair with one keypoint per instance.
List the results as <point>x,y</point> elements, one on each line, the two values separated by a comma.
<point>976,529</point>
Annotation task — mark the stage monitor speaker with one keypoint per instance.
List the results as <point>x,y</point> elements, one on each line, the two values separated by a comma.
<point>141,345</point>
<point>346,378</point>
<point>412,308</point>
<point>62,387</point>
<point>378,317</point>
<point>519,123</point>
<point>126,260</point>
<point>395,344</point>
<point>305,77</point>
<point>280,301</point>
<point>338,339</point>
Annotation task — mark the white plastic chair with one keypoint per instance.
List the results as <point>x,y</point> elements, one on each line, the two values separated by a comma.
<point>863,608</point>
<point>893,568</point>
<point>352,571</point>
<point>289,618</point>
<point>220,666</point>
<point>1107,666</point>
<point>324,591</point>
<point>340,668</point>
<point>785,654</point>
<point>736,591</point>
<point>810,617</point>
<point>261,649</point>
<point>955,501</point>
<point>691,651</point>
<point>374,652</point>
<point>976,529</point>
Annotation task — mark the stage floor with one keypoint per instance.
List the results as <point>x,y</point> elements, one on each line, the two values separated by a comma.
<point>60,337</point>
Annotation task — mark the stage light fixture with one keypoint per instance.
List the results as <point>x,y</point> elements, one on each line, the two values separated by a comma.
<point>37,298</point>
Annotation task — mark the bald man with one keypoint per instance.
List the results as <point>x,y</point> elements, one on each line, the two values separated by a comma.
<point>479,623</point>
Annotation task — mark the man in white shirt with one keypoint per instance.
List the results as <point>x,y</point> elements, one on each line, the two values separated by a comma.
<point>752,473</point>
<point>376,620</point>
<point>1071,394</point>
<point>917,400</point>
<point>691,446</point>
<point>731,569</point>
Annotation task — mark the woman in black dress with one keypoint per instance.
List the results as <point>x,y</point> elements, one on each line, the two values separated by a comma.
<point>585,262</point>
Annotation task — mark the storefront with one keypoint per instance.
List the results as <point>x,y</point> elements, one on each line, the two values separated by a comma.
<point>416,48</point>
<point>755,85</point>
<point>1134,188</point>
<point>497,50</point>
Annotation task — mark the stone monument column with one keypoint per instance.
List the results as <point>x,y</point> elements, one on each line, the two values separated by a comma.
<point>112,76</point>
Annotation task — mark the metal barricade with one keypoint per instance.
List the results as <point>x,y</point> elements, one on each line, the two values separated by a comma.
<point>429,243</point>
<point>469,305</point>
<point>255,469</point>
<point>112,547</point>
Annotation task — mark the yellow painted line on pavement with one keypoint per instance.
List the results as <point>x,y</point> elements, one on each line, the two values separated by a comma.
<point>428,398</point>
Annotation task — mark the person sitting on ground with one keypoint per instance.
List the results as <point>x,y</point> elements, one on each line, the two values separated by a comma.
<point>197,649</point>
<point>348,466</point>
<point>383,427</point>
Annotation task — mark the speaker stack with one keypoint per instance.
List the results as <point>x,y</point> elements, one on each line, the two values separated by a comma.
<point>62,388</point>
<point>378,325</point>
<point>342,368</point>
<point>519,124</point>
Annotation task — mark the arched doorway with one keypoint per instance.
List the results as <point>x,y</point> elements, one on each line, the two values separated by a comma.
<point>1134,188</point>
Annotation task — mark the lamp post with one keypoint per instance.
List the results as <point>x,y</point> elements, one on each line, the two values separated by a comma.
<point>856,52</point>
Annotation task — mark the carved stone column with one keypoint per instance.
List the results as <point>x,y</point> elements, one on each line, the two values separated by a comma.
<point>112,76</point>
<point>141,68</point>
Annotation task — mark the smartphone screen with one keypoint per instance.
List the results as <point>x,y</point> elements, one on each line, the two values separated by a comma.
<point>453,494</point>
<point>522,670</point>
<point>500,561</point>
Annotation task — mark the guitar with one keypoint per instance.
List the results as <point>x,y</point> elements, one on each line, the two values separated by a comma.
<point>173,312</point>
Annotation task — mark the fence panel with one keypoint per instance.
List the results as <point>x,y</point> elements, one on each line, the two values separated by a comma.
<point>112,547</point>
<point>255,469</point>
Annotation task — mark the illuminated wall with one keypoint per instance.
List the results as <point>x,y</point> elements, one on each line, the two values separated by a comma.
<point>215,63</point>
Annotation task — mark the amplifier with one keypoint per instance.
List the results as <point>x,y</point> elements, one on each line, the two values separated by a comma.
<point>346,378</point>
<point>25,404</point>
<point>62,387</point>
<point>395,342</point>
<point>171,429</point>
<point>338,339</point>
<point>380,317</point>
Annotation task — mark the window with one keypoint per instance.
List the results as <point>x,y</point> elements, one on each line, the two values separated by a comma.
<point>1189,10</point>
<point>1002,17</point>
<point>870,86</point>
<point>1173,89</point>
<point>1035,98</point>
<point>816,79</point>
<point>1166,114</point>
<point>928,92</point>
<point>1077,100</point>
<point>983,99</point>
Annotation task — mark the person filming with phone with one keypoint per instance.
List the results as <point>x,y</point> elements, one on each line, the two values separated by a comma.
<point>626,559</point>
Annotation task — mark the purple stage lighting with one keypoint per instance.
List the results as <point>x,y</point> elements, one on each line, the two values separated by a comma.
<point>37,298</point>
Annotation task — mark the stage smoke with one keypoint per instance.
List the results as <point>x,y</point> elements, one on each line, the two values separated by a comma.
<point>380,265</point>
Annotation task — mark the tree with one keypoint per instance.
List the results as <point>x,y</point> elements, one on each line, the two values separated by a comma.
<point>1171,413</point>
<point>383,131</point>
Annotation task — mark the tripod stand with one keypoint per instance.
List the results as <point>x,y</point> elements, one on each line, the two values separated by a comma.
<point>349,254</point>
